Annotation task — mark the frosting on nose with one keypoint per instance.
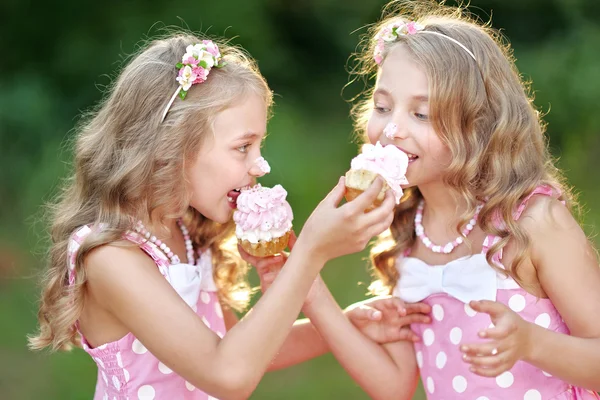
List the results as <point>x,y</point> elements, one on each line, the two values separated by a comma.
<point>263,165</point>
<point>390,130</point>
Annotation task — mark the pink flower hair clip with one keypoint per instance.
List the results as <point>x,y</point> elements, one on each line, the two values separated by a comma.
<point>194,68</point>
<point>393,31</point>
<point>390,33</point>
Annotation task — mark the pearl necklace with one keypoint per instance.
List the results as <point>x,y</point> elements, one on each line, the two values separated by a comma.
<point>173,258</point>
<point>450,246</point>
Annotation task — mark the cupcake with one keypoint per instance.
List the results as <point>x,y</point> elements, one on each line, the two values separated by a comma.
<point>389,162</point>
<point>263,220</point>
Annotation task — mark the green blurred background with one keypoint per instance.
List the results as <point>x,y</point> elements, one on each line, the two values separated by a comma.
<point>56,59</point>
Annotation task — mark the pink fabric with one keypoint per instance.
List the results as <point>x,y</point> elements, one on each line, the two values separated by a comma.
<point>126,369</point>
<point>446,376</point>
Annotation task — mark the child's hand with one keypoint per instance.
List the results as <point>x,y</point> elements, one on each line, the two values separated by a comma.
<point>333,231</point>
<point>510,340</point>
<point>387,319</point>
<point>267,268</point>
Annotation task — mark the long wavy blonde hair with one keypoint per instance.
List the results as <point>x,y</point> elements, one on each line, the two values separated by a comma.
<point>130,165</point>
<point>482,110</point>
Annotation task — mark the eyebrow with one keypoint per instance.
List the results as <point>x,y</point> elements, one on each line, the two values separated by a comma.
<point>420,98</point>
<point>248,136</point>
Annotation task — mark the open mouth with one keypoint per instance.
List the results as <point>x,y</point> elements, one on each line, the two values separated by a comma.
<point>411,157</point>
<point>233,195</point>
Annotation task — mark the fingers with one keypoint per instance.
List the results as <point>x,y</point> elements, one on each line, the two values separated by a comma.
<point>421,308</point>
<point>337,193</point>
<point>366,199</point>
<point>250,259</point>
<point>414,319</point>
<point>493,308</point>
<point>500,331</point>
<point>404,334</point>
<point>480,349</point>
<point>490,372</point>
<point>386,304</point>
<point>363,313</point>
<point>292,241</point>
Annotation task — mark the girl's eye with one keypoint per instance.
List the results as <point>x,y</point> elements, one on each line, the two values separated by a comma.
<point>422,117</point>
<point>244,148</point>
<point>381,110</point>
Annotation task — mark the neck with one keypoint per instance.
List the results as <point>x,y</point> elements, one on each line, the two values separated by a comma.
<point>442,202</point>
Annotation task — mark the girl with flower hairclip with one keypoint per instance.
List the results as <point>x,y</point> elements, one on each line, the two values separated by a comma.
<point>483,233</point>
<point>142,261</point>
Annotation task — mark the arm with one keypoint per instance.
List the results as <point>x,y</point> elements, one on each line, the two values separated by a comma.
<point>384,371</point>
<point>384,319</point>
<point>230,367</point>
<point>568,273</point>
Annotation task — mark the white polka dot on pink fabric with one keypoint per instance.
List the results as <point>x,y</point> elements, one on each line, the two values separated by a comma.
<point>126,373</point>
<point>105,397</point>
<point>455,335</point>
<point>164,369</point>
<point>438,312</point>
<point>459,384</point>
<point>205,297</point>
<point>138,347</point>
<point>119,360</point>
<point>482,398</point>
<point>218,310</point>
<point>517,303</point>
<point>505,380</point>
<point>116,382</point>
<point>547,374</point>
<point>532,395</point>
<point>146,392</point>
<point>189,386</point>
<point>104,377</point>
<point>428,337</point>
<point>212,398</point>
<point>543,320</point>
<point>419,359</point>
<point>220,334</point>
<point>430,385</point>
<point>440,360</point>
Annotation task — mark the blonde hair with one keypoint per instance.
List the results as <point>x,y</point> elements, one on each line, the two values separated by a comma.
<point>483,111</point>
<point>131,166</point>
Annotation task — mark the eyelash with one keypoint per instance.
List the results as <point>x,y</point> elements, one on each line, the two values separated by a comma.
<point>244,147</point>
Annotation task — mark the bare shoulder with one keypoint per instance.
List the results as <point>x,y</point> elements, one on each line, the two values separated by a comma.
<point>544,212</point>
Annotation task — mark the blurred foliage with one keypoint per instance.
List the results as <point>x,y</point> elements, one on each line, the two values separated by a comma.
<point>57,57</point>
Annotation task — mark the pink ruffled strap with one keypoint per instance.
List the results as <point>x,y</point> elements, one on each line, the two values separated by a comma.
<point>490,240</point>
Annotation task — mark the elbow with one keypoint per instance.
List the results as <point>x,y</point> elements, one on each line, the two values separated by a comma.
<point>238,384</point>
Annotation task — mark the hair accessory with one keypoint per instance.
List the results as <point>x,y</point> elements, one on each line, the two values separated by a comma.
<point>393,31</point>
<point>194,68</point>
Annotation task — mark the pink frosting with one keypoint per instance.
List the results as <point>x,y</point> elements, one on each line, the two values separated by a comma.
<point>262,213</point>
<point>388,161</point>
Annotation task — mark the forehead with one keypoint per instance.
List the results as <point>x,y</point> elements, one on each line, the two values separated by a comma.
<point>244,117</point>
<point>399,74</point>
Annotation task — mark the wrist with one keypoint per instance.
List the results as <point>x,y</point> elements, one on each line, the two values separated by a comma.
<point>310,252</point>
<point>532,342</point>
<point>317,296</point>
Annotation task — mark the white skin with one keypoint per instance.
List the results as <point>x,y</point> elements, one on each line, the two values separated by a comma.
<point>125,292</point>
<point>557,243</point>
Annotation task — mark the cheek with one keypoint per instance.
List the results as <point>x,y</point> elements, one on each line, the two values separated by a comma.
<point>373,130</point>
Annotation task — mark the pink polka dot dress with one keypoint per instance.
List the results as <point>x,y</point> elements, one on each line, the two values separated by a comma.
<point>126,369</point>
<point>448,290</point>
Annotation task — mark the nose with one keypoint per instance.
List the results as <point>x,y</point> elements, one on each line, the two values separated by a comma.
<point>259,167</point>
<point>395,130</point>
